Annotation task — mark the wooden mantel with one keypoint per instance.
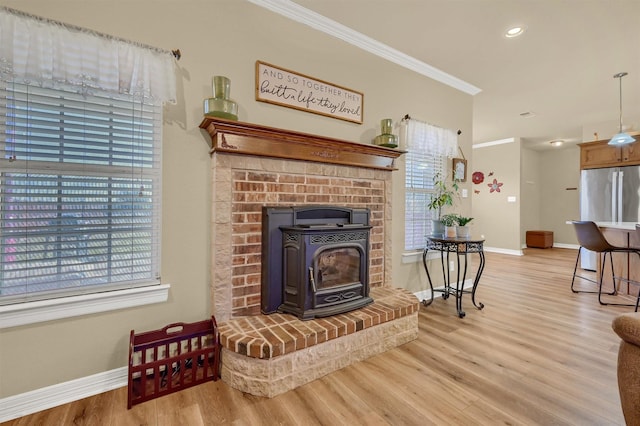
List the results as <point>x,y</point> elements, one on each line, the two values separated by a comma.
<point>252,139</point>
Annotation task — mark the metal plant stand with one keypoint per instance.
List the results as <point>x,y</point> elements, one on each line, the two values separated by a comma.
<point>461,247</point>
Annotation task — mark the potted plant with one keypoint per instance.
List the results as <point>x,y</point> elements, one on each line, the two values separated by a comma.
<point>444,194</point>
<point>449,221</point>
<point>462,228</point>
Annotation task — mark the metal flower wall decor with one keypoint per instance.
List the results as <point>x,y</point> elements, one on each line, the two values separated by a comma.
<point>478,177</point>
<point>494,186</point>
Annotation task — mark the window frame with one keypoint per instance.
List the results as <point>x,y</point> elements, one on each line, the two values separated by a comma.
<point>428,148</point>
<point>418,189</point>
<point>72,306</point>
<point>28,307</point>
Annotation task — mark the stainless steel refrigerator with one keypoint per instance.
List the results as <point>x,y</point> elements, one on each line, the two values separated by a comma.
<point>609,195</point>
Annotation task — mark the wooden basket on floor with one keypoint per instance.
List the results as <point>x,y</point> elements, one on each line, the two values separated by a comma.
<point>173,358</point>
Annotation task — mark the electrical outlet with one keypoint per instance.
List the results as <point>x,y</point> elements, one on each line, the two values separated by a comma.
<point>451,267</point>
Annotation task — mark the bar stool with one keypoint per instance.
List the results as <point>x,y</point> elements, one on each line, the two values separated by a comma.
<point>591,238</point>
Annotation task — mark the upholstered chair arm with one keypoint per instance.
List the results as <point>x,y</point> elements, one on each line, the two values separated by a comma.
<point>627,326</point>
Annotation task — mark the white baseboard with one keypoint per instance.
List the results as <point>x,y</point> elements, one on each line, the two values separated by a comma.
<point>412,257</point>
<point>31,402</point>
<point>426,294</point>
<point>504,251</point>
<point>560,245</point>
<point>566,246</point>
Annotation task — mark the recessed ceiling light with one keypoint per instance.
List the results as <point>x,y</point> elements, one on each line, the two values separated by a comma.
<point>556,143</point>
<point>514,32</point>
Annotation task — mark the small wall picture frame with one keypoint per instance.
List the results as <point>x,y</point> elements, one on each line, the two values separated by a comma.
<point>459,169</point>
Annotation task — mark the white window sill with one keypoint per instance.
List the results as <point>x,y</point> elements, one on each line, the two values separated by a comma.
<point>411,256</point>
<point>416,256</point>
<point>65,307</point>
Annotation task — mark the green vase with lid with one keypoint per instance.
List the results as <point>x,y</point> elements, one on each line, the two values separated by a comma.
<point>386,138</point>
<point>220,105</point>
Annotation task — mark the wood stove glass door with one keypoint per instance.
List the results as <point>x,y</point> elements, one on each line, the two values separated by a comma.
<point>337,266</point>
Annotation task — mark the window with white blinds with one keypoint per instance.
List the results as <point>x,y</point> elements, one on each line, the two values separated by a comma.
<point>428,148</point>
<point>421,167</point>
<point>79,192</point>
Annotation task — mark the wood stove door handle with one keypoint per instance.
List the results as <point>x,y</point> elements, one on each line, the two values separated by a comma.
<point>313,282</point>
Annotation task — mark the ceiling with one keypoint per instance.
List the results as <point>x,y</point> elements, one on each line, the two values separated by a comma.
<point>561,69</point>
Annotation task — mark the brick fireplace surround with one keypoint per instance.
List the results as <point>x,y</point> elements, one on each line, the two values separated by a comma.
<point>255,166</point>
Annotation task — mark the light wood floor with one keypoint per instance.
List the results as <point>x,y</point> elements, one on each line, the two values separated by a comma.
<point>536,355</point>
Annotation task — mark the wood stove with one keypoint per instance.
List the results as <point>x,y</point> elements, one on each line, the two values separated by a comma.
<point>315,260</point>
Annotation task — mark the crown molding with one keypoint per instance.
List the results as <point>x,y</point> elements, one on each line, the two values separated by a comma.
<point>492,143</point>
<point>328,26</point>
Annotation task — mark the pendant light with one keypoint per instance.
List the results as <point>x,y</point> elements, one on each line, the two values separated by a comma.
<point>621,138</point>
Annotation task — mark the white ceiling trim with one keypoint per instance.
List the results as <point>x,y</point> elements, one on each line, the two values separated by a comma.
<point>294,11</point>
<point>492,143</point>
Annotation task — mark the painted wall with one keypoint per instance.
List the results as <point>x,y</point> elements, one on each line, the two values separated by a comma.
<point>495,217</point>
<point>559,195</point>
<point>548,197</point>
<point>606,129</point>
<point>530,189</point>
<point>216,37</point>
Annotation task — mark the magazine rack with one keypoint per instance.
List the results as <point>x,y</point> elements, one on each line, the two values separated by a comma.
<point>173,358</point>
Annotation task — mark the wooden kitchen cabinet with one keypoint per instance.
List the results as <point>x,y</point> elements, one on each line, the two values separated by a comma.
<point>631,153</point>
<point>598,154</point>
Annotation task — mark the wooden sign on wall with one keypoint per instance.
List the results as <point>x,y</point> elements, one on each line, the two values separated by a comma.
<point>279,86</point>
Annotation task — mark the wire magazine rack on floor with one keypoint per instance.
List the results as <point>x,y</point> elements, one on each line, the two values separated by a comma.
<point>173,358</point>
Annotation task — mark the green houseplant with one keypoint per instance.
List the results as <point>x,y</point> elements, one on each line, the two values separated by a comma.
<point>462,228</point>
<point>463,221</point>
<point>449,221</point>
<point>445,194</point>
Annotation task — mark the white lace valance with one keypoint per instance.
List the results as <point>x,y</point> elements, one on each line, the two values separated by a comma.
<point>52,54</point>
<point>428,138</point>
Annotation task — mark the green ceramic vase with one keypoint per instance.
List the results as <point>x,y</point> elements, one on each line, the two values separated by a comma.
<point>220,105</point>
<point>386,139</point>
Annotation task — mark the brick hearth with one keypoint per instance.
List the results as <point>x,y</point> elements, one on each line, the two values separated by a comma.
<point>266,355</point>
<point>269,336</point>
